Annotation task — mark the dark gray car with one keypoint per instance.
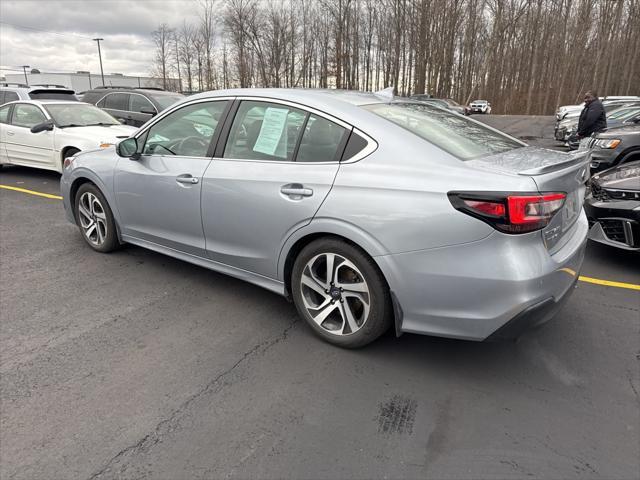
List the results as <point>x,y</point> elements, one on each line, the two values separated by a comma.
<point>615,146</point>
<point>132,106</point>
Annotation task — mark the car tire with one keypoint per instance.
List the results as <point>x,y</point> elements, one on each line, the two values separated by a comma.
<point>95,219</point>
<point>349,308</point>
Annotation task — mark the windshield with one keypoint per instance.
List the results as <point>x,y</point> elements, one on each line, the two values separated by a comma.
<point>165,101</point>
<point>464,138</point>
<point>79,115</point>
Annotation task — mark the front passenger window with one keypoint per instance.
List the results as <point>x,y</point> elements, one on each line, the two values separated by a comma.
<point>25,115</point>
<point>185,132</point>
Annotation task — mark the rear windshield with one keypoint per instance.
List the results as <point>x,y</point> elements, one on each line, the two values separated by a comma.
<point>453,133</point>
<point>43,95</point>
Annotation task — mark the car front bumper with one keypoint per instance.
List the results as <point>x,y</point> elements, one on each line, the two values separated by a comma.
<point>614,222</point>
<point>471,291</point>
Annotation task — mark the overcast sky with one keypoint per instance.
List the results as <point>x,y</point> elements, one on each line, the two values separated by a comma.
<point>125,25</point>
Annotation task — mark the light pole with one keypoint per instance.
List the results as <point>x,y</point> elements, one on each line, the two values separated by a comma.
<point>24,69</point>
<point>100,56</point>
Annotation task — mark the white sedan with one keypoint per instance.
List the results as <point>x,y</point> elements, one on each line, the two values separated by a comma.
<point>42,133</point>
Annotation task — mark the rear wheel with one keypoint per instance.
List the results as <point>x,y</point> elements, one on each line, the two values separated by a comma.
<point>340,293</point>
<point>95,220</point>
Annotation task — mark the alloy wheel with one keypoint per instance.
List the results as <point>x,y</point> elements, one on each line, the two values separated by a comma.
<point>93,219</point>
<point>335,294</point>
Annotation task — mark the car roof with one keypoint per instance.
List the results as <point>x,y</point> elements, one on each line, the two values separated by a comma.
<point>45,101</point>
<point>303,95</point>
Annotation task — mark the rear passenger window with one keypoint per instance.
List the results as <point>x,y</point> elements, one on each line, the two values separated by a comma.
<point>322,141</point>
<point>117,101</point>
<point>4,114</point>
<point>354,146</point>
<point>264,131</point>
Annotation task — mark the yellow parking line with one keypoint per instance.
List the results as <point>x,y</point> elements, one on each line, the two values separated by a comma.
<point>597,281</point>
<point>31,192</point>
<point>609,283</point>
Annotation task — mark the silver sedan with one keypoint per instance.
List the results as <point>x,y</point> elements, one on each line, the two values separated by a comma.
<point>367,212</point>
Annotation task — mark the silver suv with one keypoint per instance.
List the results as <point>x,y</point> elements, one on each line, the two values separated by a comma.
<point>11,92</point>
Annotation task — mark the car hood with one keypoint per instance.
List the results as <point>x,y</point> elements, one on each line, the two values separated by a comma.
<point>100,133</point>
<point>618,131</point>
<point>623,177</point>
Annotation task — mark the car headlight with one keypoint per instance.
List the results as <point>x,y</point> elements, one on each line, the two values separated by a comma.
<point>608,143</point>
<point>626,172</point>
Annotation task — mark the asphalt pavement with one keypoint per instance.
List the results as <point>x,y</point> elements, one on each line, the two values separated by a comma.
<point>136,365</point>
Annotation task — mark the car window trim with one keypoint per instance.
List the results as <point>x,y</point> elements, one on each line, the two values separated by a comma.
<point>214,139</point>
<point>46,116</point>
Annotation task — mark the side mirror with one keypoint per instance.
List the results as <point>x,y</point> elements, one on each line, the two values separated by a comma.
<point>148,111</point>
<point>128,148</point>
<point>42,127</point>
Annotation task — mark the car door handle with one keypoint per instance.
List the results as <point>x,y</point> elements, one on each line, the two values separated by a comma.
<point>188,179</point>
<point>296,190</point>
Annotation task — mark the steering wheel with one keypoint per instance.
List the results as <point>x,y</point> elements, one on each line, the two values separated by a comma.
<point>190,144</point>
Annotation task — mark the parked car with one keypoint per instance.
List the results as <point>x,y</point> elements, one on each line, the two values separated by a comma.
<point>614,146</point>
<point>42,133</point>
<point>10,92</point>
<point>480,106</point>
<point>613,206</point>
<point>132,106</point>
<point>618,118</point>
<point>367,212</point>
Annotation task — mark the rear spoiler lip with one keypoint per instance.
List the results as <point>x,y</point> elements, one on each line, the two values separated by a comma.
<point>574,159</point>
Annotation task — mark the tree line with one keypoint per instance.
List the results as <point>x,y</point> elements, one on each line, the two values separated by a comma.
<point>524,56</point>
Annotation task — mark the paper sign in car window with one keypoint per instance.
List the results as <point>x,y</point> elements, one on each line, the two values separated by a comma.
<point>271,131</point>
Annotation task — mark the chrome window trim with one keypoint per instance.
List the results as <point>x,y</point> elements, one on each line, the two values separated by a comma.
<point>372,145</point>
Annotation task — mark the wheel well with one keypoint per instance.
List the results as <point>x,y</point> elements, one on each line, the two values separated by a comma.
<point>303,242</point>
<point>77,183</point>
<point>64,151</point>
<point>630,155</point>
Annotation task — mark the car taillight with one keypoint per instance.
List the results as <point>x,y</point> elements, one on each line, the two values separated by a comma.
<point>68,161</point>
<point>510,213</point>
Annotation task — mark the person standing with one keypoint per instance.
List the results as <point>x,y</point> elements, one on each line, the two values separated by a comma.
<point>592,118</point>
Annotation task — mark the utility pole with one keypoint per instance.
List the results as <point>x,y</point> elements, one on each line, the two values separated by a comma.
<point>100,56</point>
<point>24,69</point>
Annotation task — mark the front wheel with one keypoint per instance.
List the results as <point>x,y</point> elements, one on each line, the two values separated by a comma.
<point>341,293</point>
<point>94,219</point>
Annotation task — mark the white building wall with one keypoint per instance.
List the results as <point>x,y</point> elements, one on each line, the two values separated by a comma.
<point>82,81</point>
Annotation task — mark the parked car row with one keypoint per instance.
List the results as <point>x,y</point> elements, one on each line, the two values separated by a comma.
<point>477,106</point>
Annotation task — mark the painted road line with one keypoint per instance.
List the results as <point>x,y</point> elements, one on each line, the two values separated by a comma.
<point>31,192</point>
<point>597,281</point>
<point>609,283</point>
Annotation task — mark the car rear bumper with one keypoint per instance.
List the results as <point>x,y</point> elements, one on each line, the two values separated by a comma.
<point>473,290</point>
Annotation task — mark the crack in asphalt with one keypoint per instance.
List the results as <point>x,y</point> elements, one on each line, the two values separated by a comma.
<point>169,424</point>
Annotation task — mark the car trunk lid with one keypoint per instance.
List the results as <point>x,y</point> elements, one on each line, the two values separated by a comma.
<point>552,171</point>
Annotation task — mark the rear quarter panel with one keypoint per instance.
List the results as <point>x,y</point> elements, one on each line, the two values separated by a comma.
<point>398,194</point>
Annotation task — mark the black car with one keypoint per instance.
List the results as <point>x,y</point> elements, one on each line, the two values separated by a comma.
<point>613,206</point>
<point>132,106</point>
